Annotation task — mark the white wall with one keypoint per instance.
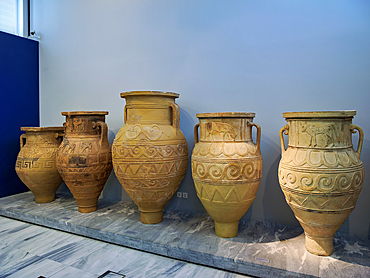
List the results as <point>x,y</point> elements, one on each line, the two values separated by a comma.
<point>265,56</point>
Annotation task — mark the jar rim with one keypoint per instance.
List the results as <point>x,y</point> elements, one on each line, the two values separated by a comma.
<point>149,93</point>
<point>83,113</point>
<point>42,128</point>
<point>226,115</point>
<point>320,114</point>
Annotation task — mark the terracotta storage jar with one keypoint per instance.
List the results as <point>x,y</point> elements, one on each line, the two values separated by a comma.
<point>150,152</point>
<point>84,159</point>
<point>36,165</point>
<point>226,167</point>
<point>320,173</point>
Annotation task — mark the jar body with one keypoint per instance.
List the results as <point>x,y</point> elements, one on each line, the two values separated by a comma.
<point>36,161</point>
<point>84,158</point>
<point>320,173</point>
<point>150,153</point>
<point>226,167</point>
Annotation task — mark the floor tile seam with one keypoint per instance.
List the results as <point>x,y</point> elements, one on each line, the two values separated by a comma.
<point>47,258</point>
<point>70,266</point>
<point>21,251</point>
<point>149,249</point>
<point>35,260</point>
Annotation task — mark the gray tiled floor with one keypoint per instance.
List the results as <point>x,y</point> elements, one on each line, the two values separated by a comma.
<point>31,251</point>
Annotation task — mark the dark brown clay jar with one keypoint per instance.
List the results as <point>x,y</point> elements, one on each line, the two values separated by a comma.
<point>84,159</point>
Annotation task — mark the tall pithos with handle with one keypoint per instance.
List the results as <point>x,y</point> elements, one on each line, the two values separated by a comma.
<point>227,167</point>
<point>320,173</point>
<point>150,153</point>
<point>84,158</point>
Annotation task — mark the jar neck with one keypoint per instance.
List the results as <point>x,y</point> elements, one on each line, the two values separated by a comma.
<point>148,110</point>
<point>225,129</point>
<point>43,138</point>
<point>82,124</point>
<point>320,133</point>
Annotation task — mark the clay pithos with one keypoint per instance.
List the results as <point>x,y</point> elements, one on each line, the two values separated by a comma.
<point>150,152</point>
<point>320,173</point>
<point>226,167</point>
<point>84,158</point>
<point>36,161</point>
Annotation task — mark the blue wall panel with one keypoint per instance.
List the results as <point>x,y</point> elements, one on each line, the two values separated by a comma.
<point>19,103</point>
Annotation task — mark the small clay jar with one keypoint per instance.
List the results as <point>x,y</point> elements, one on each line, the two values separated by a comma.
<point>84,158</point>
<point>36,165</point>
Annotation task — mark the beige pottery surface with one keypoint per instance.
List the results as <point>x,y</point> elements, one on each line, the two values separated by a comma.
<point>226,167</point>
<point>150,152</point>
<point>320,173</point>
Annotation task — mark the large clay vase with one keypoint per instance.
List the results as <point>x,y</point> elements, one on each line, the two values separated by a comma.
<point>36,165</point>
<point>150,152</point>
<point>320,173</point>
<point>226,167</point>
<point>84,158</point>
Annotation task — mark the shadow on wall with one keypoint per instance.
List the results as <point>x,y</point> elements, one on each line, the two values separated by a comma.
<point>192,203</point>
<point>363,204</point>
<point>274,200</point>
<point>270,203</point>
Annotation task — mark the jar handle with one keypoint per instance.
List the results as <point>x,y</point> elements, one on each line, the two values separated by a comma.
<point>175,116</point>
<point>57,135</point>
<point>283,130</point>
<point>23,140</point>
<point>258,135</point>
<point>196,140</point>
<point>353,129</point>
<point>104,132</point>
<point>125,114</point>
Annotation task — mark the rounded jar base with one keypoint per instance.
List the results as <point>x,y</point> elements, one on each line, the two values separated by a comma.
<point>322,246</point>
<point>151,217</point>
<point>44,198</point>
<point>87,209</point>
<point>226,230</point>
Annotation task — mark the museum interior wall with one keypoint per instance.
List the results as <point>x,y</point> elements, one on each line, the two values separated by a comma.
<point>266,57</point>
<point>19,100</point>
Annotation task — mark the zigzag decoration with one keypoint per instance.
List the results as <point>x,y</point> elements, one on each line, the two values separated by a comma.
<point>322,205</point>
<point>216,194</point>
<point>130,169</point>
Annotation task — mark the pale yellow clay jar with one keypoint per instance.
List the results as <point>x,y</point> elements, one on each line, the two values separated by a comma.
<point>320,173</point>
<point>150,152</point>
<point>36,165</point>
<point>84,158</point>
<point>226,167</point>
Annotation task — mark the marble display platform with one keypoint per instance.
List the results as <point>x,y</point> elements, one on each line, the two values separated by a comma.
<point>261,249</point>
